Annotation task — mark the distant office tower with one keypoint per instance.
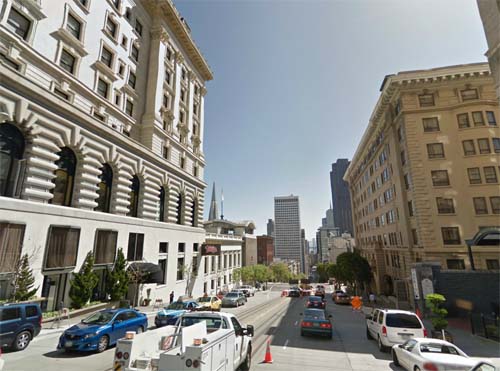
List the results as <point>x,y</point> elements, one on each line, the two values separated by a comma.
<point>287,236</point>
<point>214,211</point>
<point>340,196</point>
<point>270,227</point>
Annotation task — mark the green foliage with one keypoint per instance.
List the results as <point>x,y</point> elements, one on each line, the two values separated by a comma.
<point>434,302</point>
<point>252,274</point>
<point>352,268</point>
<point>24,281</point>
<point>280,272</point>
<point>322,271</point>
<point>117,278</point>
<point>83,283</point>
<point>236,276</point>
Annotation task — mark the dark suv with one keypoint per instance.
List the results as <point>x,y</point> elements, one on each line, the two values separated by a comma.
<point>19,323</point>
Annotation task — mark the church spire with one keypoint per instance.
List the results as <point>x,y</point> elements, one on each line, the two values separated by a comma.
<point>214,213</point>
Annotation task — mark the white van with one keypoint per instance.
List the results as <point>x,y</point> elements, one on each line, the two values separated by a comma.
<point>390,326</point>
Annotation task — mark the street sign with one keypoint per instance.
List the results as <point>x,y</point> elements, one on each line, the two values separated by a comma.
<point>414,281</point>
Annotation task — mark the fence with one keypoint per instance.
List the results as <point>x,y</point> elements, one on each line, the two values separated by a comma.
<point>486,326</point>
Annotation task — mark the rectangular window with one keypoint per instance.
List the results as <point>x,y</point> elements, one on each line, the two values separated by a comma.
<point>490,174</point>
<point>129,107</point>
<point>168,54</point>
<point>111,27</point>
<point>484,145</point>
<point>478,118</point>
<point>18,23</point>
<point>167,76</point>
<point>102,88</point>
<point>67,61</point>
<point>469,147</point>
<point>403,157</point>
<point>74,26</point>
<point>180,269</point>
<point>99,117</point>
<point>480,206</point>
<point>414,236</point>
<point>194,265</point>
<point>451,235</point>
<point>445,205</point>
<point>165,101</point>
<point>162,263</point>
<point>135,52</point>
<point>181,248</point>
<point>463,120</point>
<point>135,246</point>
<point>183,95</point>
<point>435,150</point>
<point>426,100</point>
<point>183,162</point>
<point>195,171</point>
<point>62,247</point>
<point>9,62</point>
<point>131,80</point>
<point>490,116</point>
<point>183,74</point>
<point>430,124</point>
<point>469,94</point>
<point>163,248</point>
<point>106,57</point>
<point>118,98</point>
<point>492,264</point>
<point>474,175</point>
<point>455,264</point>
<point>138,27</point>
<point>407,181</point>
<point>165,152</point>
<point>195,247</point>
<point>124,41</point>
<point>61,94</point>
<point>11,244</point>
<point>495,204</point>
<point>496,144</point>
<point>105,246</point>
<point>410,208</point>
<point>181,116</point>
<point>440,178</point>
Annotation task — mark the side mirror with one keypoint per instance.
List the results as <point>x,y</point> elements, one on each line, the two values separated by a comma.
<point>250,330</point>
<point>400,346</point>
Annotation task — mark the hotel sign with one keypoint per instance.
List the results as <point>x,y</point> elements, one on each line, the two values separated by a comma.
<point>210,249</point>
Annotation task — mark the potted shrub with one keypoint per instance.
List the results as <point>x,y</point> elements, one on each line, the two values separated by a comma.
<point>439,323</point>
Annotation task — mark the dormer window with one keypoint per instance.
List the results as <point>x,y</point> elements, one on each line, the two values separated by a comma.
<point>18,23</point>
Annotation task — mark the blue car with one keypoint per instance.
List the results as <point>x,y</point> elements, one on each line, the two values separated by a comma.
<point>102,329</point>
<point>19,323</point>
<point>170,314</point>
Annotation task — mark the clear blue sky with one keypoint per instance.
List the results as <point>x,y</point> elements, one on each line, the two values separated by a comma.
<point>295,84</point>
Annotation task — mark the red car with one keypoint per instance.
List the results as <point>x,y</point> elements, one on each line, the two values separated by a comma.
<point>315,302</point>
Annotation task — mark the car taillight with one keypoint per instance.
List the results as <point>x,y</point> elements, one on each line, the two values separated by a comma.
<point>425,333</point>
<point>326,325</point>
<point>125,356</point>
<point>384,331</point>
<point>196,363</point>
<point>119,355</point>
<point>430,366</point>
<point>306,324</point>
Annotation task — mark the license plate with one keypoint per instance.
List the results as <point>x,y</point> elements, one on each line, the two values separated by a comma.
<point>315,324</point>
<point>163,322</point>
<point>406,335</point>
<point>68,344</point>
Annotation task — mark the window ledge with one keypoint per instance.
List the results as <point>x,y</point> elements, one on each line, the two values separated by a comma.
<point>105,70</point>
<point>446,214</point>
<point>71,41</point>
<point>113,39</point>
<point>128,90</point>
<point>34,9</point>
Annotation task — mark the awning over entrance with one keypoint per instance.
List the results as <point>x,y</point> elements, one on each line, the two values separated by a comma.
<point>147,272</point>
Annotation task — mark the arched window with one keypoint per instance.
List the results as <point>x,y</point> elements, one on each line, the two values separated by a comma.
<point>180,209</point>
<point>135,188</point>
<point>163,204</point>
<point>194,213</point>
<point>11,160</point>
<point>104,189</point>
<point>65,178</point>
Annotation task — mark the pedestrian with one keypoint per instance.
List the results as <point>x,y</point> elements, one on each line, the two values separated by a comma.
<point>172,297</point>
<point>372,299</point>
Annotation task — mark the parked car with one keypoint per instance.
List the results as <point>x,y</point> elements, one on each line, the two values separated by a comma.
<point>233,299</point>
<point>102,329</point>
<point>294,292</point>
<point>241,292</point>
<point>391,326</point>
<point>342,298</point>
<point>248,290</point>
<point>2,362</point>
<point>170,314</point>
<point>315,302</point>
<point>484,366</point>
<point>315,322</point>
<point>337,292</point>
<point>430,354</point>
<point>19,324</point>
<point>209,303</point>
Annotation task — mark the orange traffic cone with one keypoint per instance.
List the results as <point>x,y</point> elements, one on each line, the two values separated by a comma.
<point>268,358</point>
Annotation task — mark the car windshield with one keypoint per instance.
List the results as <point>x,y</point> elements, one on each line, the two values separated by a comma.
<point>438,348</point>
<point>232,295</point>
<point>99,318</point>
<point>177,305</point>
<point>403,320</point>
<point>205,299</point>
<point>314,314</point>
<point>211,322</point>
<point>314,298</point>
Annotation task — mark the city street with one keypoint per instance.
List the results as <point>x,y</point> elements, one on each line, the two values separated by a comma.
<point>275,318</point>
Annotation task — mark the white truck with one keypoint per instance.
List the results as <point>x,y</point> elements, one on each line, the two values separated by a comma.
<point>200,341</point>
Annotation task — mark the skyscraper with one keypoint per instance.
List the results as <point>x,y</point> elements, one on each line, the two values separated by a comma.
<point>287,236</point>
<point>214,211</point>
<point>340,196</point>
<point>270,227</point>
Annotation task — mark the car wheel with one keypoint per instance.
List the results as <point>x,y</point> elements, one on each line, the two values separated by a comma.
<point>381,346</point>
<point>139,330</point>
<point>103,343</point>
<point>245,366</point>
<point>368,335</point>
<point>22,340</point>
<point>395,358</point>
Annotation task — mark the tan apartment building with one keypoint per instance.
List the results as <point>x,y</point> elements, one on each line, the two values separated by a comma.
<point>424,177</point>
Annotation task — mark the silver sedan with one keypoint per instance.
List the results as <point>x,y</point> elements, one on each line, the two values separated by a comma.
<point>233,299</point>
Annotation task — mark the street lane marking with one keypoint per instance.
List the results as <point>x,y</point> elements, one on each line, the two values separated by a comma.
<point>286,343</point>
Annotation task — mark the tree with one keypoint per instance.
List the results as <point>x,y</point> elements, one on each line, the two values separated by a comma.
<point>280,272</point>
<point>322,270</point>
<point>352,268</point>
<point>118,279</point>
<point>24,281</point>
<point>236,276</point>
<point>434,302</point>
<point>261,273</point>
<point>83,283</point>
